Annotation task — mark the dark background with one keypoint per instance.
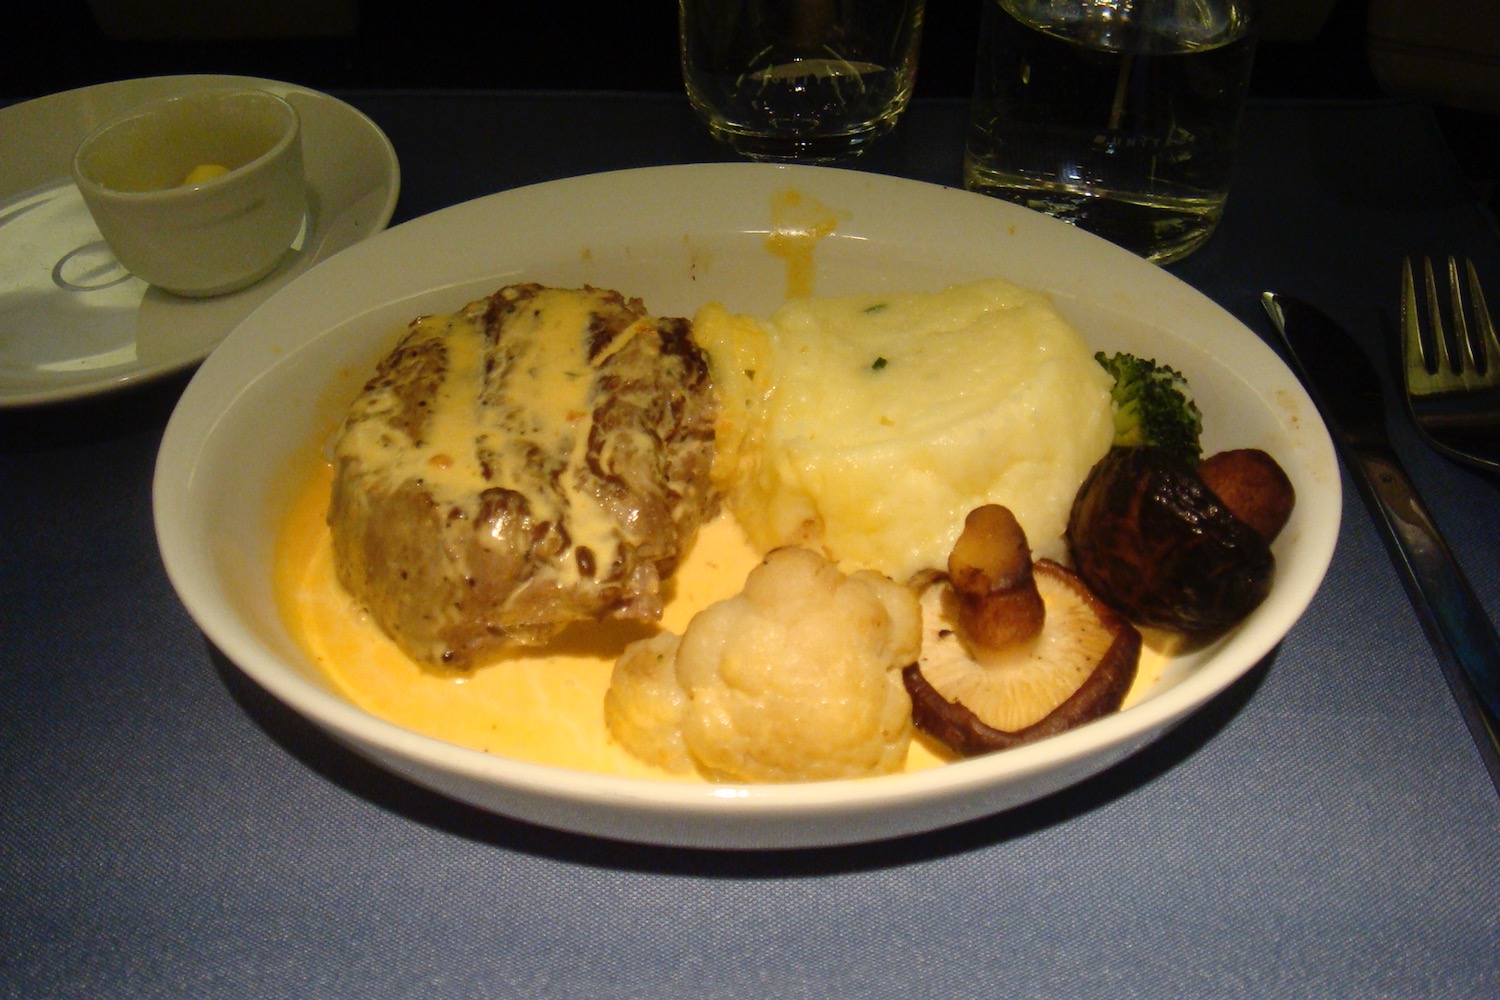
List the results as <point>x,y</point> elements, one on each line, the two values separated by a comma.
<point>51,45</point>
<point>1311,48</point>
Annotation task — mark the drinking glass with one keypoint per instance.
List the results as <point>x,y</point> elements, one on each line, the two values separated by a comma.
<point>799,80</point>
<point>1116,115</point>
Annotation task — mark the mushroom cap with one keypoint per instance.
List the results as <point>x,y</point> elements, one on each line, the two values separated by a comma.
<point>975,700</point>
<point>1254,487</point>
<point>1153,541</point>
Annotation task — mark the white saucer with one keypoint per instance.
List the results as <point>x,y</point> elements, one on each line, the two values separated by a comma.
<point>73,323</point>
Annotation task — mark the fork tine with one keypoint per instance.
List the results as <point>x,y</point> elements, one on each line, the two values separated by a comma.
<point>1488,345</point>
<point>1414,352</point>
<point>1443,364</point>
<point>1463,347</point>
<point>1434,362</point>
<point>1453,401</point>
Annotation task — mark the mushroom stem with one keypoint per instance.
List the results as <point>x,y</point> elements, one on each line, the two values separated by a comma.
<point>990,568</point>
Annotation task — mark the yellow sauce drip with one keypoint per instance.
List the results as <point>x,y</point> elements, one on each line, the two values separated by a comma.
<point>798,223</point>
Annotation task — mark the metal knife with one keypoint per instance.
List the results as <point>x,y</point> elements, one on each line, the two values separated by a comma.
<point>1344,384</point>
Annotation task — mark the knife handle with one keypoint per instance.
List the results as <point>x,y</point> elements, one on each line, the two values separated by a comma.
<point>1455,622</point>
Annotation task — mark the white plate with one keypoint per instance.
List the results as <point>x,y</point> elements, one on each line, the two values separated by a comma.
<point>678,237</point>
<point>73,323</point>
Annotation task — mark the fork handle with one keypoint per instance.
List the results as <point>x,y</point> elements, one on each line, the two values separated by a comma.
<point>1455,622</point>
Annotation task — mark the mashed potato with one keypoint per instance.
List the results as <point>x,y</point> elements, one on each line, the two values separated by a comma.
<point>869,426</point>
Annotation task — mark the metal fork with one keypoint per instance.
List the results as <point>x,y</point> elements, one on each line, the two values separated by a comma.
<point>1452,375</point>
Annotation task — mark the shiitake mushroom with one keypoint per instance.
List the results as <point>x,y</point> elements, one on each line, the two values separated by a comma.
<point>1077,667</point>
<point>1013,651</point>
<point>1149,536</point>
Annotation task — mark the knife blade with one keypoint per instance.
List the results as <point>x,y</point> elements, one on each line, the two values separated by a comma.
<point>1344,384</point>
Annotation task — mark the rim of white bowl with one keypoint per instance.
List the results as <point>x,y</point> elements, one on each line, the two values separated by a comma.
<point>192,576</point>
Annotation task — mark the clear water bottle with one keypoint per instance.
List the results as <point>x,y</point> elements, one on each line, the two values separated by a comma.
<point>1116,115</point>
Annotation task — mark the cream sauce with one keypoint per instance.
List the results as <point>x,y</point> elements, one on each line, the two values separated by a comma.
<point>544,706</point>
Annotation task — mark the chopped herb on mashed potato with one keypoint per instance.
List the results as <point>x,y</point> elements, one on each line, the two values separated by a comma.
<point>869,426</point>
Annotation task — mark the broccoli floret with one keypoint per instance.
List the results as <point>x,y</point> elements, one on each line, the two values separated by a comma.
<point>1152,406</point>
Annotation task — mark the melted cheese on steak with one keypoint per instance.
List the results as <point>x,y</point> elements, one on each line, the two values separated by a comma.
<point>537,458</point>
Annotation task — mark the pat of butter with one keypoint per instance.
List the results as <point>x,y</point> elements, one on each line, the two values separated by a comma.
<point>204,172</point>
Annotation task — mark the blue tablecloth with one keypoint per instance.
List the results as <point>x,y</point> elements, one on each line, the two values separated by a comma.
<point>1324,829</point>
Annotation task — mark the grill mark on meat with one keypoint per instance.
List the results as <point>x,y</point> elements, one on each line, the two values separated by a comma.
<point>641,481</point>
<point>498,307</point>
<point>406,380</point>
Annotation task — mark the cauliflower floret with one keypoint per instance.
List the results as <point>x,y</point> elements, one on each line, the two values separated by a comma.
<point>645,704</point>
<point>797,678</point>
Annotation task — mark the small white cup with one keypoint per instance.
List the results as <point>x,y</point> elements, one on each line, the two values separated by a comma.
<point>205,237</point>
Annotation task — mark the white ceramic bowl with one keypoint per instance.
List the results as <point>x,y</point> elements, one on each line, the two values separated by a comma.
<point>197,237</point>
<point>679,237</point>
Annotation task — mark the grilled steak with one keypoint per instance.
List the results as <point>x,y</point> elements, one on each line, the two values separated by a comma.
<point>537,458</point>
